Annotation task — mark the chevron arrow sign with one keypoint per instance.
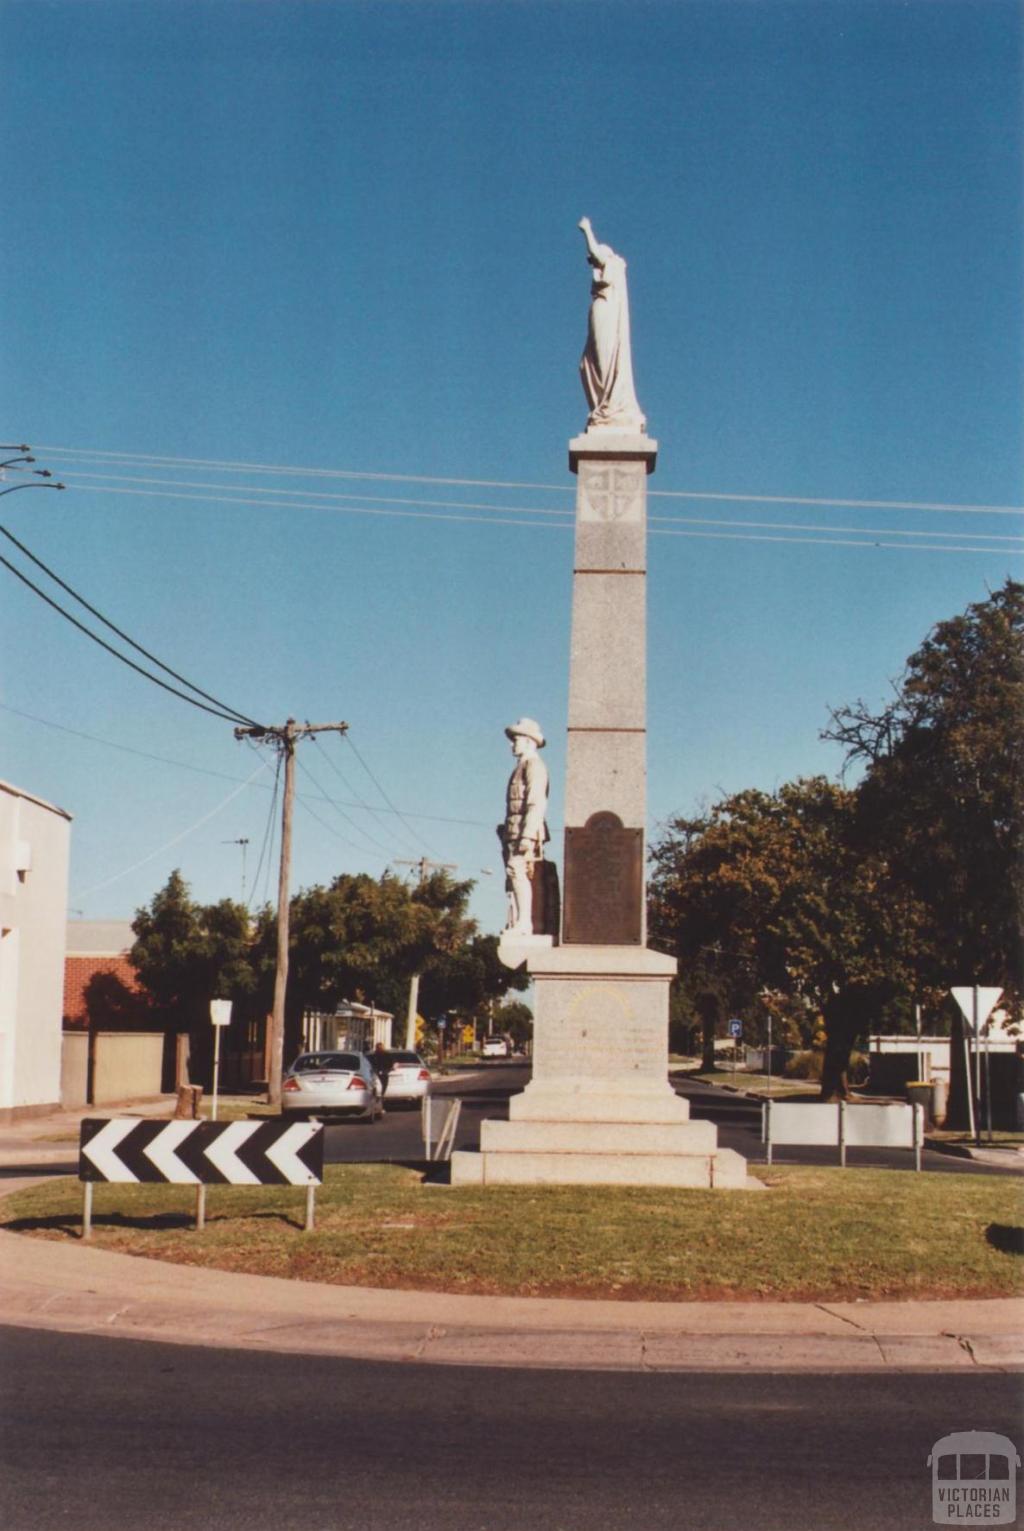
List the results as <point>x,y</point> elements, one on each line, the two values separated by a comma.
<point>132,1149</point>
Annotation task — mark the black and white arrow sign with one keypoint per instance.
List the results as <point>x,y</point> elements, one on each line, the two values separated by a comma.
<point>130,1149</point>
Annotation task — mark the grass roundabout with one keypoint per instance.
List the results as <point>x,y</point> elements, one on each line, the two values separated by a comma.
<point>820,1235</point>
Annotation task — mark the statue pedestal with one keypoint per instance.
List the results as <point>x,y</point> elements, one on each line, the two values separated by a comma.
<point>600,1109</point>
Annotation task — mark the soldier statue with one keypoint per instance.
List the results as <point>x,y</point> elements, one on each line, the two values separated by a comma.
<point>524,832</point>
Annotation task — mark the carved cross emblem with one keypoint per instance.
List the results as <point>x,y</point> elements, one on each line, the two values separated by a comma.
<point>614,493</point>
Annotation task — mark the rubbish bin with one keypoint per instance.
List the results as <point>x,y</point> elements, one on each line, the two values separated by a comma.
<point>919,1093</point>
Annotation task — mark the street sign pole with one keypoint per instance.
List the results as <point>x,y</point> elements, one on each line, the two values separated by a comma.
<point>977,1070</point>
<point>216,1072</point>
<point>976,1005</point>
<point>220,1016</point>
<point>769,1054</point>
<point>988,1078</point>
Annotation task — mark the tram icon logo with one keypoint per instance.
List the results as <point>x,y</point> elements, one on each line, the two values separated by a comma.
<point>974,1479</point>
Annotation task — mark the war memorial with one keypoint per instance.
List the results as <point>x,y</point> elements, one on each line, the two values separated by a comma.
<point>599,1109</point>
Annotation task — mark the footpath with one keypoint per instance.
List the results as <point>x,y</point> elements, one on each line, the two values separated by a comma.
<point>72,1287</point>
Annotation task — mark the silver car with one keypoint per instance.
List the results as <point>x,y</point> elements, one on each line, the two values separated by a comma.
<point>332,1084</point>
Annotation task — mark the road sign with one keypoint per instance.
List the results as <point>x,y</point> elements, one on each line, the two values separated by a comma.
<point>127,1150</point>
<point>987,1000</point>
<point>220,1012</point>
<point>442,1022</point>
<point>736,1029</point>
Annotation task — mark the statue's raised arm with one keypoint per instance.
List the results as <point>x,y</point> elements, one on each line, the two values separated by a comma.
<point>606,366</point>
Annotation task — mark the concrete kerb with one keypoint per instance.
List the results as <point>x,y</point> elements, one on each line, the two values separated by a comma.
<point>74,1288</point>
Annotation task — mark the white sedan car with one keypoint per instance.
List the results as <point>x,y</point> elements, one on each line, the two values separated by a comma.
<point>405,1076</point>
<point>332,1084</point>
<point>496,1047</point>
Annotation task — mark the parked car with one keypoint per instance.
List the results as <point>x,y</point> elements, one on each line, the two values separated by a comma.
<point>404,1075</point>
<point>496,1047</point>
<point>332,1084</point>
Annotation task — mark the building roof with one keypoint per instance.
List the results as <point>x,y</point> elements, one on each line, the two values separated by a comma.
<point>99,938</point>
<point>30,797</point>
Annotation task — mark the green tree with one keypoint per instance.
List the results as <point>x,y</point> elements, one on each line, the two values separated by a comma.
<point>186,954</point>
<point>770,891</point>
<point>513,1019</point>
<point>942,794</point>
<point>363,938</point>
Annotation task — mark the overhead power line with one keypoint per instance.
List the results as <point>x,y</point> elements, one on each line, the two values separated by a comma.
<point>225,711</point>
<point>216,711</point>
<point>186,765</point>
<point>339,773</point>
<point>378,845</point>
<point>567,516</point>
<point>97,886</point>
<point>570,513</point>
<point>410,827</point>
<point>564,523</point>
<point>225,465</point>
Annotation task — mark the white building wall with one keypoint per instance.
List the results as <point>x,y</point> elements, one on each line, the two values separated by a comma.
<point>34,847</point>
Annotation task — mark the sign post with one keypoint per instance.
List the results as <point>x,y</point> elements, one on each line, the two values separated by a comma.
<point>220,1015</point>
<point>736,1032</point>
<point>769,1054</point>
<point>976,1005</point>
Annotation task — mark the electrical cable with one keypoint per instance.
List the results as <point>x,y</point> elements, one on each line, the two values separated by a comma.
<point>97,886</point>
<point>568,513</point>
<point>225,465</point>
<point>184,765</point>
<point>377,844</point>
<point>332,831</point>
<point>317,494</point>
<point>347,737</point>
<point>268,828</point>
<point>228,717</point>
<point>239,716</point>
<point>348,785</point>
<point>565,524</point>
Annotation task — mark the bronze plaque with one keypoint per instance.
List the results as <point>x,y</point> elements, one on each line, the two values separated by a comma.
<point>604,883</point>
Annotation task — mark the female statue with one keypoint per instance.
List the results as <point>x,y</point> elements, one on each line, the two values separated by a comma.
<point>606,366</point>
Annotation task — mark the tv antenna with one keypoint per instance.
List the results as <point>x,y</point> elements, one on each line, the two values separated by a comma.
<point>243,842</point>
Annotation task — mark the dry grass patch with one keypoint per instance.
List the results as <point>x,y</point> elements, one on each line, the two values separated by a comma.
<point>821,1234</point>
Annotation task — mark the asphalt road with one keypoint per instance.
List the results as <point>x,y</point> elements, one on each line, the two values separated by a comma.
<point>398,1136</point>
<point>486,1090</point>
<point>111,1435</point>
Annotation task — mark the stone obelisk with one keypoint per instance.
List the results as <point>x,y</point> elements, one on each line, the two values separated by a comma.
<point>599,1108</point>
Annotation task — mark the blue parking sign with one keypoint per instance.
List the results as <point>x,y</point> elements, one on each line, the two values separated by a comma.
<point>736,1029</point>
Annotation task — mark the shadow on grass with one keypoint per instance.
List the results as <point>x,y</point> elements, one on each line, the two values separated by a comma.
<point>70,1223</point>
<point>1005,1237</point>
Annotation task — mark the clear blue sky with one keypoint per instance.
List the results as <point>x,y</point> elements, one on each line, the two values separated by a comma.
<point>343,236</point>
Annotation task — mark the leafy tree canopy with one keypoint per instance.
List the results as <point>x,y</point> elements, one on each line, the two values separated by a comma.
<point>943,788</point>
<point>854,902</point>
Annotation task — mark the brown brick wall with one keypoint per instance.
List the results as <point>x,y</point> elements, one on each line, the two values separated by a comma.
<point>77,973</point>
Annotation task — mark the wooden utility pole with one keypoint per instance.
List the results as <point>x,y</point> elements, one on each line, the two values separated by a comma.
<point>425,868</point>
<point>285,740</point>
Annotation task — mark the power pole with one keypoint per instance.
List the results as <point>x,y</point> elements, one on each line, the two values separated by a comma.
<point>425,868</point>
<point>284,739</point>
